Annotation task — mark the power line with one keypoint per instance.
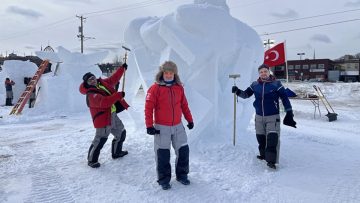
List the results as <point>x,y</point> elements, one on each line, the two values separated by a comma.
<point>127,7</point>
<point>91,14</point>
<point>149,3</point>
<point>309,17</point>
<point>22,33</point>
<point>309,27</point>
<point>249,4</point>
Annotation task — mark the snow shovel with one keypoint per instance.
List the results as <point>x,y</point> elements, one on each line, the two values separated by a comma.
<point>331,116</point>
<point>234,76</point>
<point>124,59</point>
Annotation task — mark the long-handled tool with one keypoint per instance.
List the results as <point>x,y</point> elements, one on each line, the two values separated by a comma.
<point>234,76</point>
<point>124,59</point>
<point>331,116</point>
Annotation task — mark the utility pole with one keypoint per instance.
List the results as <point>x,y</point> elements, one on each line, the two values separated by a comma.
<point>81,32</point>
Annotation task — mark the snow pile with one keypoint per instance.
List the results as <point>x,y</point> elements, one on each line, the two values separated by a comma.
<point>16,71</point>
<point>208,45</point>
<point>44,160</point>
<point>60,88</point>
<point>333,91</point>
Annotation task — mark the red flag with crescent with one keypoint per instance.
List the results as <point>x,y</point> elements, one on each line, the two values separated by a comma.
<point>275,56</point>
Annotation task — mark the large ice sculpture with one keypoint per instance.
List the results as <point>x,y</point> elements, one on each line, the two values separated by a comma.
<point>207,44</point>
<point>60,91</point>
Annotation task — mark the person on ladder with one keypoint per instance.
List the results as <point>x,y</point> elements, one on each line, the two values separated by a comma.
<point>9,91</point>
<point>104,103</point>
<point>267,91</point>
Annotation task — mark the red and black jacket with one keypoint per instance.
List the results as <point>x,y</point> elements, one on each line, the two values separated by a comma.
<point>99,101</point>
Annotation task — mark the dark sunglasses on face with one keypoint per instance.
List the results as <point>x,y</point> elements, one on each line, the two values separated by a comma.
<point>92,78</point>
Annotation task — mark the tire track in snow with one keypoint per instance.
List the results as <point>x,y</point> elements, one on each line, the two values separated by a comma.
<point>238,178</point>
<point>343,190</point>
<point>23,136</point>
<point>47,184</point>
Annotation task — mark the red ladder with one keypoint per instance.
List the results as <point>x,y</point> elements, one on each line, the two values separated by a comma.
<point>19,106</point>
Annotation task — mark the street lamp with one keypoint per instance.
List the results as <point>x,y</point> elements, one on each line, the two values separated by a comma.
<point>268,42</point>
<point>300,54</point>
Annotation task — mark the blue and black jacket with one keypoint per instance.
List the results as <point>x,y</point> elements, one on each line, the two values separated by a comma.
<point>267,94</point>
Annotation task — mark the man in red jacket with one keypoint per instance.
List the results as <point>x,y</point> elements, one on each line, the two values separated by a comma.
<point>165,104</point>
<point>104,103</point>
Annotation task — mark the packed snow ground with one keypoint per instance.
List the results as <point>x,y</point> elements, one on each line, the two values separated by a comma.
<point>43,159</point>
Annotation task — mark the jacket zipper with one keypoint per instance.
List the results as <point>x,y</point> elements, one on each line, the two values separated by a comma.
<point>172,104</point>
<point>262,100</point>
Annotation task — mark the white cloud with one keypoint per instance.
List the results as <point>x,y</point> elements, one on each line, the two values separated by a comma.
<point>352,3</point>
<point>24,12</point>
<point>320,38</point>
<point>73,2</point>
<point>288,14</point>
<point>31,47</point>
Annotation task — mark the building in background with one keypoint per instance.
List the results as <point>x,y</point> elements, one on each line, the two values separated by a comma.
<point>320,70</point>
<point>348,67</point>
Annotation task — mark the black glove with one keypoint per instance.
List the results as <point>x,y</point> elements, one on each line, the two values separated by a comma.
<point>234,89</point>
<point>122,94</point>
<point>289,119</point>
<point>152,131</point>
<point>190,125</point>
<point>125,65</point>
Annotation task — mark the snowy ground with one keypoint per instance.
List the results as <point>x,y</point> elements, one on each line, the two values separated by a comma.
<point>43,159</point>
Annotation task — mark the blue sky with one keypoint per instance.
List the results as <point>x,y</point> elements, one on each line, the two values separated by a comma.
<point>326,27</point>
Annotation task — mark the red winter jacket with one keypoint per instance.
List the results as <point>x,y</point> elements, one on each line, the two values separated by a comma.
<point>168,103</point>
<point>100,102</point>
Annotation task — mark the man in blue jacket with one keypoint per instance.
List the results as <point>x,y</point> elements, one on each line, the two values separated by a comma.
<point>267,91</point>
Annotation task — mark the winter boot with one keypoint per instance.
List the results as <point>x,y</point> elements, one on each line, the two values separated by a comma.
<point>121,154</point>
<point>8,102</point>
<point>261,138</point>
<point>94,152</point>
<point>271,165</point>
<point>184,181</point>
<point>260,157</point>
<point>117,145</point>
<point>93,164</point>
<point>165,186</point>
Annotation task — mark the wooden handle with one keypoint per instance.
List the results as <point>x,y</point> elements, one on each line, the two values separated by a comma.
<point>234,135</point>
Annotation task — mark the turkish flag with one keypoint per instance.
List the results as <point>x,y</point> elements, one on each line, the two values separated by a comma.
<point>275,56</point>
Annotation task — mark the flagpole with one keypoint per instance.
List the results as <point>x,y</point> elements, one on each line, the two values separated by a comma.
<point>286,64</point>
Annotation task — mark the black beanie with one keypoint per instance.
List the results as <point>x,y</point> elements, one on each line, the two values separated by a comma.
<point>263,66</point>
<point>87,76</point>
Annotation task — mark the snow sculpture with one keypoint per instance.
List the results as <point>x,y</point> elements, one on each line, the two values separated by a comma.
<point>16,71</point>
<point>207,44</point>
<point>60,93</point>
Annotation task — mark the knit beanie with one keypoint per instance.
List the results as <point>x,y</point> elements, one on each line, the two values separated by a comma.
<point>87,76</point>
<point>263,66</point>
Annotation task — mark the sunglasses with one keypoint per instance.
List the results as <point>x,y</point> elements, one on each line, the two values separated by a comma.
<point>92,78</point>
